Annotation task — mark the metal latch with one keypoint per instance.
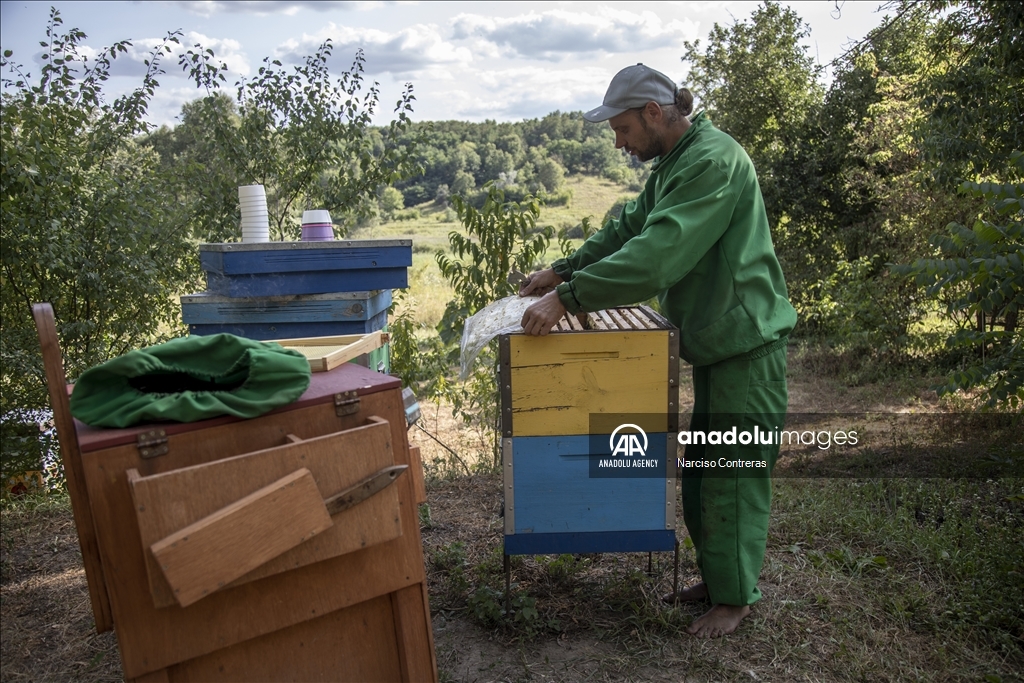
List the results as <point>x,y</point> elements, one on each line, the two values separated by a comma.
<point>153,443</point>
<point>346,403</point>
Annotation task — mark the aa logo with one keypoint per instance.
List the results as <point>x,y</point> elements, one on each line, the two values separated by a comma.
<point>628,443</point>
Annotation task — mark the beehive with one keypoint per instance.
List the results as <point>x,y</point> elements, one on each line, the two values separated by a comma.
<point>561,397</point>
<point>286,268</point>
<point>276,290</point>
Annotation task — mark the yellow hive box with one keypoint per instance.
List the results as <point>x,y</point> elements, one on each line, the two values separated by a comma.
<point>623,360</point>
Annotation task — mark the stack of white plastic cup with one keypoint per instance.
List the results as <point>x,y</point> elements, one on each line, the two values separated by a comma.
<point>255,218</point>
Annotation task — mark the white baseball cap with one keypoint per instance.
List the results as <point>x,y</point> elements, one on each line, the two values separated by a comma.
<point>633,87</point>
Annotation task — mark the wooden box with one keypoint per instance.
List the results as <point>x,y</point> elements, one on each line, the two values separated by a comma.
<point>210,309</point>
<point>288,268</point>
<point>345,600</point>
<point>563,397</point>
<point>278,330</point>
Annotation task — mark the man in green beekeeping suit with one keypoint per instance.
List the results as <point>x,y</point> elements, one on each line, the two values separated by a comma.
<point>697,237</point>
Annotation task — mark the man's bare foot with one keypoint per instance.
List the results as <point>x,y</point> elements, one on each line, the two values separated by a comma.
<point>720,620</point>
<point>694,593</point>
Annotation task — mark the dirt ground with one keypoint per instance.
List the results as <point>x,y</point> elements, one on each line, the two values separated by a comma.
<point>596,618</point>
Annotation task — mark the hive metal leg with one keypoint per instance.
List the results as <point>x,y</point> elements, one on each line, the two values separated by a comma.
<point>508,584</point>
<point>675,576</point>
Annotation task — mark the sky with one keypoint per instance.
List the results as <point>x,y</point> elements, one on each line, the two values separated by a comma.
<point>504,61</point>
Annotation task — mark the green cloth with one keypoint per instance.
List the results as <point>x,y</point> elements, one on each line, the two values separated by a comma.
<point>190,379</point>
<point>726,509</point>
<point>697,237</point>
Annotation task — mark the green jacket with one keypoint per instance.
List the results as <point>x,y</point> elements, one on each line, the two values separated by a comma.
<point>697,238</point>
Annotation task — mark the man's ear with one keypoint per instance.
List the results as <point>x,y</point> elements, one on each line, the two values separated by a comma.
<point>653,112</point>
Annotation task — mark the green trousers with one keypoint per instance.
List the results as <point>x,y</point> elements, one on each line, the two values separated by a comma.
<point>726,507</point>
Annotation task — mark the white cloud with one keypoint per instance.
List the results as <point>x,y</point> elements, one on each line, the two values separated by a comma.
<point>132,62</point>
<point>207,8</point>
<point>495,97</point>
<point>559,34</point>
<point>411,49</point>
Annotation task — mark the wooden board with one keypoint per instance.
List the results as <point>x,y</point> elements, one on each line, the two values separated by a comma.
<point>298,257</point>
<point>166,503</point>
<point>269,331</point>
<point>71,458</point>
<point>357,644</point>
<point>327,353</point>
<point>416,470</point>
<point>335,307</point>
<point>221,547</point>
<point>559,380</point>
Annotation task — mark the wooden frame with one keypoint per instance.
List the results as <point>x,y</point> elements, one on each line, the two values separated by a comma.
<point>327,353</point>
<point>71,457</point>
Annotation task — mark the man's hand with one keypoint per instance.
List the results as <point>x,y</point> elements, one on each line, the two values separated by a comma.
<point>539,283</point>
<point>543,315</point>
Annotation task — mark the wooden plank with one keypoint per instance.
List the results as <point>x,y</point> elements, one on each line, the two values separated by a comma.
<point>159,676</point>
<point>355,645</point>
<point>416,470</point>
<point>71,458</point>
<point>658,319</point>
<point>574,323</point>
<point>633,322</point>
<point>620,322</point>
<point>558,381</point>
<point>167,503</point>
<point>609,324</point>
<point>221,547</point>
<point>596,322</point>
<point>152,638</point>
<point>413,635</point>
<point>335,255</point>
<point>311,282</point>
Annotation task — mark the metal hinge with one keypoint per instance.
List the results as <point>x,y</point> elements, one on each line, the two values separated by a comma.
<point>153,443</point>
<point>346,403</point>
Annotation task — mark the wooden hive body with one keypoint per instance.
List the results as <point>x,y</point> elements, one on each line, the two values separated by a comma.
<point>286,268</point>
<point>278,290</point>
<point>562,396</point>
<point>348,602</point>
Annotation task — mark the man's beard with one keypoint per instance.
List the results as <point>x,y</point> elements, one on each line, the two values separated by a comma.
<point>653,145</point>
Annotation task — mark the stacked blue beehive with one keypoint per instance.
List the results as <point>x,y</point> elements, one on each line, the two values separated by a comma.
<point>285,290</point>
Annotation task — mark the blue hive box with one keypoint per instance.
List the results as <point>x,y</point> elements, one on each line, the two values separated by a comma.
<point>289,268</point>
<point>210,309</point>
<point>293,330</point>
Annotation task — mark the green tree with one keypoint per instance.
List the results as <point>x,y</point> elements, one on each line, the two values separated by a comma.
<point>390,202</point>
<point>87,222</point>
<point>757,83</point>
<point>983,265</point>
<point>498,237</point>
<point>975,95</point>
<point>307,137</point>
<point>550,174</point>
